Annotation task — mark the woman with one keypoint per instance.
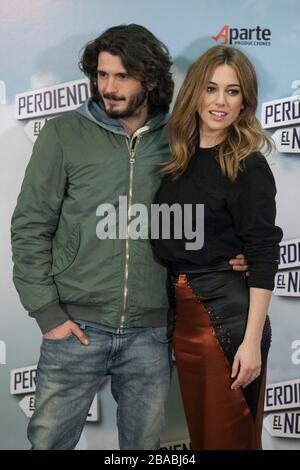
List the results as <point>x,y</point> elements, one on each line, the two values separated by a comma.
<point>222,333</point>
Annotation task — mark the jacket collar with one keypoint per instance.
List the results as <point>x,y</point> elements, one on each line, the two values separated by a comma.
<point>94,111</point>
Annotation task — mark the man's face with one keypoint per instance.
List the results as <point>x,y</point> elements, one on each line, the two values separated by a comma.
<point>123,95</point>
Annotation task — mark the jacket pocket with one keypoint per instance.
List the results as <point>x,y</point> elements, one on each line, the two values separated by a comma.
<point>65,256</point>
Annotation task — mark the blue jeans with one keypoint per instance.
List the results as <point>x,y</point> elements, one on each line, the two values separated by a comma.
<point>69,374</point>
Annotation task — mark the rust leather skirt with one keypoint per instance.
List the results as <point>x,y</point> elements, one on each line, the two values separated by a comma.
<point>211,315</point>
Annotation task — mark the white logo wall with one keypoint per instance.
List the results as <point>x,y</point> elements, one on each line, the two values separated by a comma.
<point>22,382</point>
<point>287,282</point>
<point>282,400</point>
<point>52,100</point>
<point>283,396</point>
<point>277,113</point>
<point>49,102</point>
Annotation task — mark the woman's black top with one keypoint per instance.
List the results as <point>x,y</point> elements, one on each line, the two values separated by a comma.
<point>239,216</point>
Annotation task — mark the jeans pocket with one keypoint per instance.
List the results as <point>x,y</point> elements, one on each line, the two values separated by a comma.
<point>161,334</point>
<point>58,340</point>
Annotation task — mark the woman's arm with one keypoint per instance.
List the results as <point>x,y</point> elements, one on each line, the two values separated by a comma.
<point>247,360</point>
<point>252,205</point>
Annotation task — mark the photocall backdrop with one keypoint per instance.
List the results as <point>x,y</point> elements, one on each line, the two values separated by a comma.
<point>39,77</point>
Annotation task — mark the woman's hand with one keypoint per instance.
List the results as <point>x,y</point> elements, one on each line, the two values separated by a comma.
<point>246,365</point>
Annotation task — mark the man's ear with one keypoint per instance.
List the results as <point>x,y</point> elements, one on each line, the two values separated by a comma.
<point>149,85</point>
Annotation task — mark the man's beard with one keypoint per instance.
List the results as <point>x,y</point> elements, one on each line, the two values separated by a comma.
<point>134,104</point>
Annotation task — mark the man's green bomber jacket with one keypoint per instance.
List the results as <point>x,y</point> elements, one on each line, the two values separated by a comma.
<point>63,266</point>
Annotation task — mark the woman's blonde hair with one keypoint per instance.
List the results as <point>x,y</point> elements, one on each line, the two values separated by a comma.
<point>244,136</point>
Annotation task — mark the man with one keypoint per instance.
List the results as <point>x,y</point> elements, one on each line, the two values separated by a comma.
<point>100,301</point>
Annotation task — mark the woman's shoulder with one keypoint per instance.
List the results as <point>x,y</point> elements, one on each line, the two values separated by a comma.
<point>253,159</point>
<point>255,163</point>
<point>255,175</point>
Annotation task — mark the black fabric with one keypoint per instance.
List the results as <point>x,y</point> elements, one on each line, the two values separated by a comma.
<point>239,216</point>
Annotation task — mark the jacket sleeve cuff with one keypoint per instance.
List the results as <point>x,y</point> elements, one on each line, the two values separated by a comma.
<point>50,316</point>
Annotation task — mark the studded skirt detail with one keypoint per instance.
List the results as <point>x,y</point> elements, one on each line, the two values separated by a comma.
<point>211,316</point>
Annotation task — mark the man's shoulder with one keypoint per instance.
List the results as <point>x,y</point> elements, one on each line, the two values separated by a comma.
<point>69,117</point>
<point>65,124</point>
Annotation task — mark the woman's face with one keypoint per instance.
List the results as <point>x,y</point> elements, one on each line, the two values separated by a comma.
<point>221,102</point>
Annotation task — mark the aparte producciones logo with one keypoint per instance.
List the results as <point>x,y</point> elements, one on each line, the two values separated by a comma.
<point>244,36</point>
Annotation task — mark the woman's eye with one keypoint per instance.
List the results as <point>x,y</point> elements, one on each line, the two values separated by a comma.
<point>233,92</point>
<point>210,89</point>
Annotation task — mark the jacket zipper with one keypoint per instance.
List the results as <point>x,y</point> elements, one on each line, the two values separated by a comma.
<point>133,143</point>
